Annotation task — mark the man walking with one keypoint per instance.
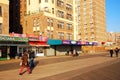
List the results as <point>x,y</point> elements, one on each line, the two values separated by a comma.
<point>31,57</point>
<point>111,52</point>
<point>116,51</point>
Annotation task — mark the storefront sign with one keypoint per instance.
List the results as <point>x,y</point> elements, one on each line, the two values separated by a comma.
<point>90,43</point>
<point>79,43</point>
<point>43,38</point>
<point>17,35</point>
<point>82,42</point>
<point>73,42</point>
<point>87,43</point>
<point>65,42</point>
<point>8,38</point>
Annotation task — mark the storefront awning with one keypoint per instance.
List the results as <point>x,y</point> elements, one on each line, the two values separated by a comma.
<point>38,43</point>
<point>54,42</point>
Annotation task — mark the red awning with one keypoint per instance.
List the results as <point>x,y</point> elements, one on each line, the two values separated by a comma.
<point>38,43</point>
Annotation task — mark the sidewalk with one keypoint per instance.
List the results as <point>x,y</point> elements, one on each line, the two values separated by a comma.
<point>47,70</point>
<point>53,57</point>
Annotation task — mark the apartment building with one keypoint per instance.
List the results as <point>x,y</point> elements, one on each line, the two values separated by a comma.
<point>118,38</point>
<point>4,16</point>
<point>90,16</point>
<point>51,18</point>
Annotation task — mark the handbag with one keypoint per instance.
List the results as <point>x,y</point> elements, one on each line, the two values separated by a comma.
<point>21,63</point>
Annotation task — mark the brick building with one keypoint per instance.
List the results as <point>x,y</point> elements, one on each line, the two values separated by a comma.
<point>51,18</point>
<point>4,17</point>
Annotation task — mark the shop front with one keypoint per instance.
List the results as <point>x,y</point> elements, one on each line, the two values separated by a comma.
<point>8,45</point>
<point>53,49</point>
<point>38,44</point>
<point>70,45</point>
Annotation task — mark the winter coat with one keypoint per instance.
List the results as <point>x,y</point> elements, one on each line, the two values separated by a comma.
<point>25,60</point>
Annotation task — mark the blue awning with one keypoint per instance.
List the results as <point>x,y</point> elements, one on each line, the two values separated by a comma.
<point>54,42</point>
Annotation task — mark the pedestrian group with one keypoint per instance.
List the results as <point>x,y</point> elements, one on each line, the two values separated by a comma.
<point>112,52</point>
<point>25,63</point>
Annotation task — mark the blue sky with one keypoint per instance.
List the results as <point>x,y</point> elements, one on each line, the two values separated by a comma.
<point>113,15</point>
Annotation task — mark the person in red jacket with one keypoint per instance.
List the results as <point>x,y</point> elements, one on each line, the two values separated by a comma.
<point>24,63</point>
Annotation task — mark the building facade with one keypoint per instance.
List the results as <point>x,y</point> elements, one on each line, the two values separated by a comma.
<point>113,38</point>
<point>4,17</point>
<point>90,16</point>
<point>51,18</point>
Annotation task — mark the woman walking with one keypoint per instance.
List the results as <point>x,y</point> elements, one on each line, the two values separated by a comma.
<point>24,63</point>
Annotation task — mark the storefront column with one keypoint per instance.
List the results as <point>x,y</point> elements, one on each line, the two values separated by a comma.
<point>8,52</point>
<point>55,50</point>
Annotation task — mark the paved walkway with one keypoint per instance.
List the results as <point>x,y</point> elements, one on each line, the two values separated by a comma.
<point>43,71</point>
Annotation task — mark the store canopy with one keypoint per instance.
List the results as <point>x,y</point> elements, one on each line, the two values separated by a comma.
<point>38,43</point>
<point>54,42</point>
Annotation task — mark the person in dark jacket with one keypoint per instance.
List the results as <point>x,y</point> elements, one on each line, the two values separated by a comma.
<point>31,58</point>
<point>111,52</point>
<point>116,51</point>
<point>24,63</point>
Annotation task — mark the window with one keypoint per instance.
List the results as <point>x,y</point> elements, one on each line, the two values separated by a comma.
<point>36,24</point>
<point>60,25</point>
<point>46,0</point>
<point>0,11</point>
<point>52,1</point>
<point>68,16</point>
<point>46,9</point>
<point>29,2</point>
<point>52,10</point>
<point>69,26</point>
<point>0,28</point>
<point>60,35</point>
<point>60,3</point>
<point>50,22</point>
<point>69,36</point>
<point>39,1</point>
<point>60,14</point>
<point>68,7</point>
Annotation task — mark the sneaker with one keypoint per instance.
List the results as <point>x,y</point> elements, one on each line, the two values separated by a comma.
<point>20,73</point>
<point>30,73</point>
